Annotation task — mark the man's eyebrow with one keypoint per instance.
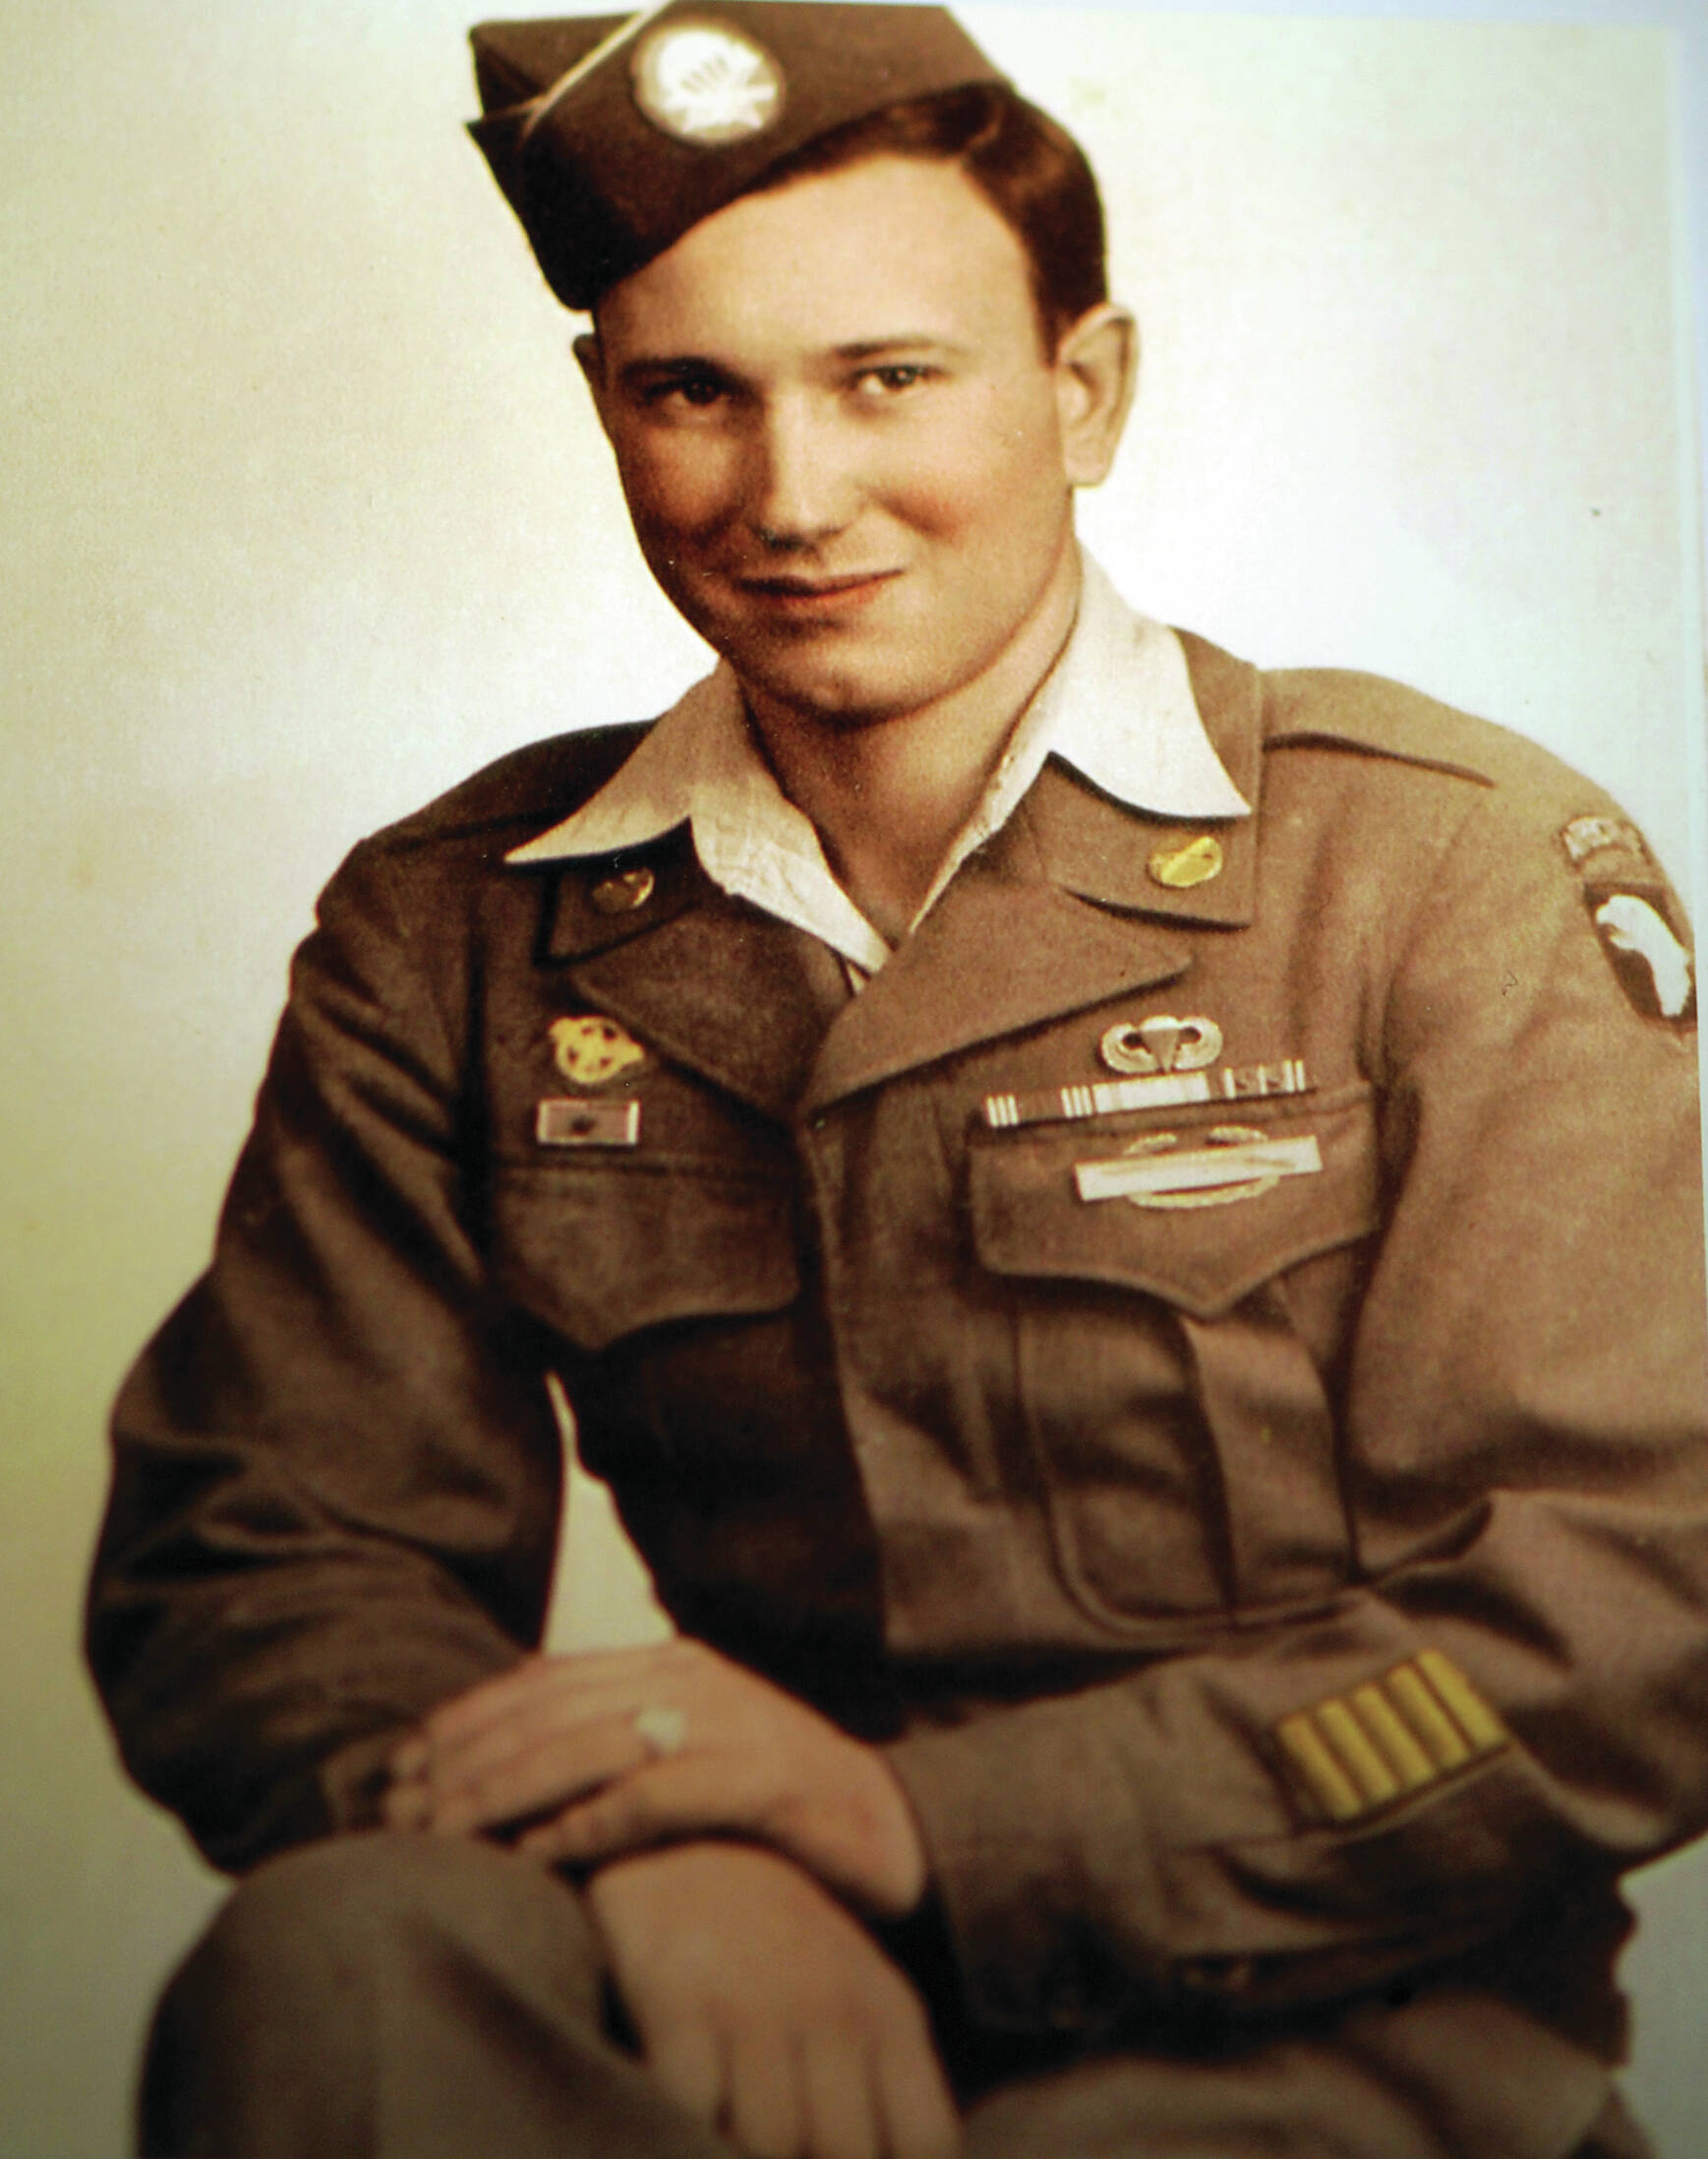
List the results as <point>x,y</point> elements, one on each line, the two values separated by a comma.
<point>663,366</point>
<point>872,348</point>
<point>655,367</point>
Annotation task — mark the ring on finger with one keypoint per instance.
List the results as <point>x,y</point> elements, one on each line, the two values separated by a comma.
<point>658,1729</point>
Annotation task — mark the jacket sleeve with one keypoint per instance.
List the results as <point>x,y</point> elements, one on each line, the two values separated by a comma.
<point>1511,1695</point>
<point>336,1478</point>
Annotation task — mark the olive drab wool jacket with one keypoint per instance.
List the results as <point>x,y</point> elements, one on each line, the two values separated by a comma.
<point>1209,1373</point>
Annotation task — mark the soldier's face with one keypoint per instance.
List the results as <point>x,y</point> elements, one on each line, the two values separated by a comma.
<point>846,455</point>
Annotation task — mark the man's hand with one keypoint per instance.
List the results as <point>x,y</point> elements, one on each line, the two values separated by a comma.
<point>605,1753</point>
<point>765,2011</point>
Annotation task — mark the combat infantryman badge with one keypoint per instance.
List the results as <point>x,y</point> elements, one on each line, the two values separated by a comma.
<point>1239,1163</point>
<point>589,1049</point>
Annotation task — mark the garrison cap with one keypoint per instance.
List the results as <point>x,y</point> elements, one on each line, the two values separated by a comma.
<point>612,134</point>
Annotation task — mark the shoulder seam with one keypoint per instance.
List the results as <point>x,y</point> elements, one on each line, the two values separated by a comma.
<point>1317,737</point>
<point>1391,712</point>
<point>423,829</point>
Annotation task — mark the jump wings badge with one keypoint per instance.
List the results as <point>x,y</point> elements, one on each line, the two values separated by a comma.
<point>1161,1043</point>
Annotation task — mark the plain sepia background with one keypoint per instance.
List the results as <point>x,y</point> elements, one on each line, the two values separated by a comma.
<point>305,516</point>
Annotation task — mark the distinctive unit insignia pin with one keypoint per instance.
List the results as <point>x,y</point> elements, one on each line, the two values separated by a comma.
<point>589,1049</point>
<point>1239,1163</point>
<point>706,84</point>
<point>1180,866</point>
<point>1161,1043</point>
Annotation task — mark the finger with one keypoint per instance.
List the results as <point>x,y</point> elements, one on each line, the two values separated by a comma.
<point>454,1723</point>
<point>491,1701</point>
<point>588,1677</point>
<point>687,2062</point>
<point>765,2116</point>
<point>683,1795</point>
<point>917,2113</point>
<point>547,1772</point>
<point>406,1806</point>
<point>841,2098</point>
<point>448,1755</point>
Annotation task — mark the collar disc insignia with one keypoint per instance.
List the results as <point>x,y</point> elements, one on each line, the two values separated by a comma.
<point>1180,866</point>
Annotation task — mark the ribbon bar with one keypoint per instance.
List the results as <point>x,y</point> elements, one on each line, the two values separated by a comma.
<point>1152,1090</point>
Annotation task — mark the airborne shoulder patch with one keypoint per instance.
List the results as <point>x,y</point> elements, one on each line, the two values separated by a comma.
<point>1635,916</point>
<point>1587,837</point>
<point>1649,955</point>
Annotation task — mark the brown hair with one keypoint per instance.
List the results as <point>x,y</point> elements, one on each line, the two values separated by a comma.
<point>1028,167</point>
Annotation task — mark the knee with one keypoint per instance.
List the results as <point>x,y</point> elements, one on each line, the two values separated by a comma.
<point>329,1920</point>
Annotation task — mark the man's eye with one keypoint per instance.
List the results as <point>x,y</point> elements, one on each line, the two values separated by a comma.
<point>695,392</point>
<point>891,379</point>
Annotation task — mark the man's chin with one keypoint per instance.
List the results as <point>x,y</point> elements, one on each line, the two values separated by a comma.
<point>832,696</point>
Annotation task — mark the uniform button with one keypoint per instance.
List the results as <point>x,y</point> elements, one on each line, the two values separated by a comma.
<point>625,892</point>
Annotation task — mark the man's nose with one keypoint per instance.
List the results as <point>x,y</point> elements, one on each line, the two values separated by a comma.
<point>804,483</point>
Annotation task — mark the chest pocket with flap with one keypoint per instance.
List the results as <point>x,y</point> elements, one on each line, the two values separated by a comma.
<point>601,1248</point>
<point>1186,1435</point>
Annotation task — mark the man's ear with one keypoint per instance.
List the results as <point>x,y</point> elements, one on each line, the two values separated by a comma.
<point>1096,369</point>
<point>590,357</point>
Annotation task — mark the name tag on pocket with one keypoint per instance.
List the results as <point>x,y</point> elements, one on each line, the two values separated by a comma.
<point>1238,1164</point>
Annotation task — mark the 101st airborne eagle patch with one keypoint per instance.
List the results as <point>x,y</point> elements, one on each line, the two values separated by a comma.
<point>1635,917</point>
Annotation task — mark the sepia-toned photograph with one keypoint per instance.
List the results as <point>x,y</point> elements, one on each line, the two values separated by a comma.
<point>855,1250</point>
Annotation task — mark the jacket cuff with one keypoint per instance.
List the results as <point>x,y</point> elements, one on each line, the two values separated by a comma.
<point>1009,1819</point>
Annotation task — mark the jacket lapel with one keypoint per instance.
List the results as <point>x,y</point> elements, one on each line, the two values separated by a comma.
<point>715,984</point>
<point>1057,913</point>
<point>1005,947</point>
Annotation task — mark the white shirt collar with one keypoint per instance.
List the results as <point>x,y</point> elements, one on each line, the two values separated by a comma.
<point>1117,705</point>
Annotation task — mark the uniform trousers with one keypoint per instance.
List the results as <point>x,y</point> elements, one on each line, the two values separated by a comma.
<point>386,1996</point>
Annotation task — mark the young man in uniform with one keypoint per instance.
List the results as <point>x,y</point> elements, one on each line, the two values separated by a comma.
<point>1125,1232</point>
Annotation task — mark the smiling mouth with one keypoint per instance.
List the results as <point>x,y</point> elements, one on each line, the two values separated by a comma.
<point>807,593</point>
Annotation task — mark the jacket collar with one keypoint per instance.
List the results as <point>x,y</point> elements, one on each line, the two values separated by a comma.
<point>1117,706</point>
<point>1057,912</point>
